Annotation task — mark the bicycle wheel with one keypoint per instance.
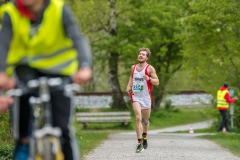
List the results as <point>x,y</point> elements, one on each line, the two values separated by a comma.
<point>48,150</point>
<point>32,149</point>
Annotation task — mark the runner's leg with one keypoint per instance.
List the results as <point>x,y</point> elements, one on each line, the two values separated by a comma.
<point>138,116</point>
<point>146,115</point>
<point>139,128</point>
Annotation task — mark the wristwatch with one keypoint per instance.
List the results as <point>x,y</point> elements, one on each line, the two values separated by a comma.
<point>150,79</point>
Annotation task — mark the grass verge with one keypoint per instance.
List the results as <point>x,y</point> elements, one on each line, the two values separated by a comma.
<point>230,141</point>
<point>90,140</point>
<point>176,116</point>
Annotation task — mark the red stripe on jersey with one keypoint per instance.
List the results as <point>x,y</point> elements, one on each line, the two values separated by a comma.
<point>133,69</point>
<point>149,84</point>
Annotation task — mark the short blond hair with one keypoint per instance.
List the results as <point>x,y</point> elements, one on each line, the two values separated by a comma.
<point>145,49</point>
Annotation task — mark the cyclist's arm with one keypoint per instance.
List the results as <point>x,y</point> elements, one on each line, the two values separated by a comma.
<point>72,31</point>
<point>5,40</point>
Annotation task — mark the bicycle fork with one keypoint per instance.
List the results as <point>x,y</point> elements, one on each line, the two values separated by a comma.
<point>45,142</point>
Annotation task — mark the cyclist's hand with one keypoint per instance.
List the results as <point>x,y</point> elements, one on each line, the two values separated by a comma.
<point>5,102</point>
<point>6,82</point>
<point>82,76</point>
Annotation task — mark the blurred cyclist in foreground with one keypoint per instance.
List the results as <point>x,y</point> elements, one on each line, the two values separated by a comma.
<point>40,38</point>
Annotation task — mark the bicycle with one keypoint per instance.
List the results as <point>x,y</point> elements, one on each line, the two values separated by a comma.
<point>45,140</point>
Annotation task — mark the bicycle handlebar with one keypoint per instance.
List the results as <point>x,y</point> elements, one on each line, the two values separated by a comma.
<point>51,82</point>
<point>14,92</point>
<point>55,84</point>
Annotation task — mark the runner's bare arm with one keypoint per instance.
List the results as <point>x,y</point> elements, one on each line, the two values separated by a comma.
<point>153,75</point>
<point>130,83</point>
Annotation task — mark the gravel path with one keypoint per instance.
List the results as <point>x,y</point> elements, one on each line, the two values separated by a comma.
<point>162,146</point>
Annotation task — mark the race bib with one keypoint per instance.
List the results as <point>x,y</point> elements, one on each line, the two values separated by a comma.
<point>138,87</point>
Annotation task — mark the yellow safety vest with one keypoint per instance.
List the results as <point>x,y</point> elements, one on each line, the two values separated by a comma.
<point>49,49</point>
<point>221,101</point>
<point>1,15</point>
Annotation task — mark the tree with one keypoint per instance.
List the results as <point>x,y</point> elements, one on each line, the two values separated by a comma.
<point>118,28</point>
<point>99,20</point>
<point>211,32</point>
<point>211,45</point>
<point>156,27</point>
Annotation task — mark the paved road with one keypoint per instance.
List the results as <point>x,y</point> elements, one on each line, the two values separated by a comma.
<point>162,146</point>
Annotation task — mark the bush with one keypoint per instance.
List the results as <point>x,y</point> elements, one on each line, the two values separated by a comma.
<point>6,141</point>
<point>236,114</point>
<point>169,107</point>
<point>6,151</point>
<point>6,131</point>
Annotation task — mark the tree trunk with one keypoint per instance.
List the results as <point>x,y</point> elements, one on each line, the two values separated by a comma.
<point>117,95</point>
<point>158,99</point>
<point>168,70</point>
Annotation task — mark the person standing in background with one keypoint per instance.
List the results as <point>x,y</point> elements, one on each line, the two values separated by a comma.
<point>223,101</point>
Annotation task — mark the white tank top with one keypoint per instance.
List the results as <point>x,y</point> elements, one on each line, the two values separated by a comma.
<point>141,88</point>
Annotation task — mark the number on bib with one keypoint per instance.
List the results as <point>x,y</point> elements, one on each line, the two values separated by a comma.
<point>138,87</point>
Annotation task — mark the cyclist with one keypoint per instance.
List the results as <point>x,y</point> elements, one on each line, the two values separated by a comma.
<point>41,38</point>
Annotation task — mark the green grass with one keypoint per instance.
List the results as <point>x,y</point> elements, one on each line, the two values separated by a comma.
<point>175,116</point>
<point>226,140</point>
<point>89,140</point>
<point>6,151</point>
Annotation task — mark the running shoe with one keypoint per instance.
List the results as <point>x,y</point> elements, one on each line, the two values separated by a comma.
<point>145,144</point>
<point>139,148</point>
